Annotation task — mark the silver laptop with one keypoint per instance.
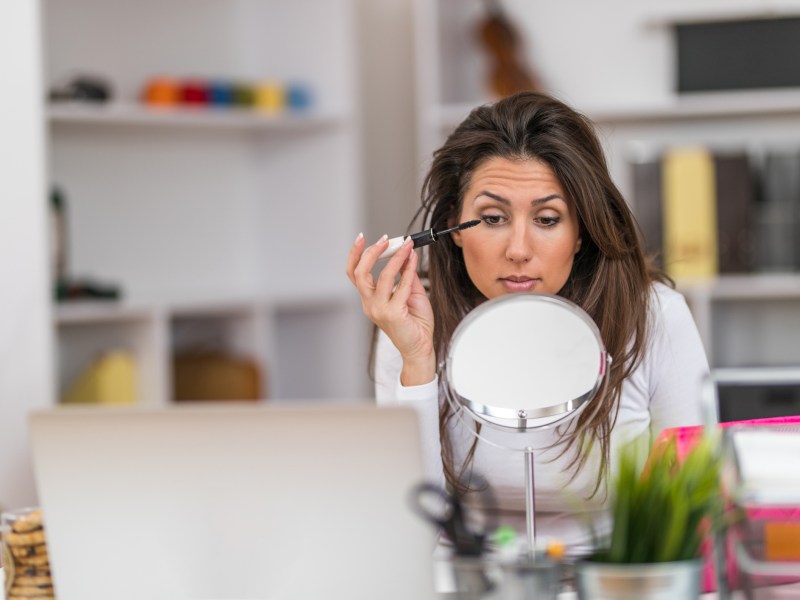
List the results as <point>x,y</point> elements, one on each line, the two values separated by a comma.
<point>222,501</point>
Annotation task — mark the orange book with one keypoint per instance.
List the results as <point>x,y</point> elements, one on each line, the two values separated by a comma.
<point>782,540</point>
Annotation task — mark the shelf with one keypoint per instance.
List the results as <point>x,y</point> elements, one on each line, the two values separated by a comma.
<point>716,105</point>
<point>705,105</point>
<point>758,286</point>
<point>703,14</point>
<point>230,118</point>
<point>87,312</point>
<point>97,312</point>
<point>241,306</point>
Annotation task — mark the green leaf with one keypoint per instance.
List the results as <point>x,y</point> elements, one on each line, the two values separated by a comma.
<point>677,518</point>
<point>663,512</point>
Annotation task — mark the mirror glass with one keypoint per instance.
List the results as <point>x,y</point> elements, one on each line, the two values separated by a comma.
<point>524,361</point>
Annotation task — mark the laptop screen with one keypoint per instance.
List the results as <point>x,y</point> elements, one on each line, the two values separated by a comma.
<point>233,502</point>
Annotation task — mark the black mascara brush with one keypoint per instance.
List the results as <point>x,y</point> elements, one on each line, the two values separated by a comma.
<point>423,238</point>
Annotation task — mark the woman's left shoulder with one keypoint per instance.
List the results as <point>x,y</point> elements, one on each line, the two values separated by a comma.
<point>663,298</point>
<point>663,292</point>
<point>669,311</point>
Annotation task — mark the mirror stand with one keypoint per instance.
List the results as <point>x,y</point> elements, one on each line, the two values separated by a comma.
<point>530,502</point>
<point>519,339</point>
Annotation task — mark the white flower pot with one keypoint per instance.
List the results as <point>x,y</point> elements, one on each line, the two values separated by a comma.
<point>646,581</point>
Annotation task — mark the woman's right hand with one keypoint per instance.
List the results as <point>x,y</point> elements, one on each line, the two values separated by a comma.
<point>403,311</point>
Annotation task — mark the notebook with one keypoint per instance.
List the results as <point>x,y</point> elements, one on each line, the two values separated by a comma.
<point>270,501</point>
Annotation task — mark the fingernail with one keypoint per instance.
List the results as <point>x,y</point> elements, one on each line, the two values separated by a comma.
<point>408,242</point>
<point>384,237</point>
<point>359,237</point>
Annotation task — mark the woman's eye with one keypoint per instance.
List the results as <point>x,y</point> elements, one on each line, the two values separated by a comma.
<point>548,221</point>
<point>492,219</point>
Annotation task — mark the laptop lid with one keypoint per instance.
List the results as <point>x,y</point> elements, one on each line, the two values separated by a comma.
<point>275,501</point>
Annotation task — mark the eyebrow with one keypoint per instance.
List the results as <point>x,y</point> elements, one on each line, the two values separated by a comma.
<point>506,201</point>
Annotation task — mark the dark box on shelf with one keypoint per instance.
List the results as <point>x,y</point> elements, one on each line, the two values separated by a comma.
<point>741,54</point>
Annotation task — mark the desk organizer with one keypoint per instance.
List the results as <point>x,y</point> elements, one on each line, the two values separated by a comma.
<point>745,559</point>
<point>495,578</point>
<point>764,547</point>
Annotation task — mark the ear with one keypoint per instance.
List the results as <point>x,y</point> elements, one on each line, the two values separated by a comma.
<point>578,245</point>
<point>452,222</point>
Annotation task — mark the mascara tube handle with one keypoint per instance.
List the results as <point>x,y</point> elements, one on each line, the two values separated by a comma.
<point>421,238</point>
<point>394,245</point>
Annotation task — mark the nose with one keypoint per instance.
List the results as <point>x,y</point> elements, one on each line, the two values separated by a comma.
<point>519,248</point>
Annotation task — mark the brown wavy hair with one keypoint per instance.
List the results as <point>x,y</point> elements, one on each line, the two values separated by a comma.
<point>610,279</point>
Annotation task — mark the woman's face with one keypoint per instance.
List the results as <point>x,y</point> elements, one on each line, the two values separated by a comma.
<point>529,235</point>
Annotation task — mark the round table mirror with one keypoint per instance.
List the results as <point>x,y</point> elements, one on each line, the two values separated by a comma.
<point>522,362</point>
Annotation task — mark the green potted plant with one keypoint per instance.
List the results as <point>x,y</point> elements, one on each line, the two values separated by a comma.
<point>662,513</point>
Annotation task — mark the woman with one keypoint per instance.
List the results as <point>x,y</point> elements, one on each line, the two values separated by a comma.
<point>533,171</point>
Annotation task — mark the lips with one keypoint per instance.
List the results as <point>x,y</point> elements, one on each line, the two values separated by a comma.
<point>519,283</point>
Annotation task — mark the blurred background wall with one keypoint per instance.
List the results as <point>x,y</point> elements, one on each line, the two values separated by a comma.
<point>25,334</point>
<point>391,191</point>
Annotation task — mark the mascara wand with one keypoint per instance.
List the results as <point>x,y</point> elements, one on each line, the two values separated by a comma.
<point>423,238</point>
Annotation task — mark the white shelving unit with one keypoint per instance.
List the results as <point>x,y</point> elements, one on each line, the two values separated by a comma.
<point>226,227</point>
<point>748,320</point>
<point>620,76</point>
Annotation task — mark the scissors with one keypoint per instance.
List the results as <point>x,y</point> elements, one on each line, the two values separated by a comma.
<point>446,511</point>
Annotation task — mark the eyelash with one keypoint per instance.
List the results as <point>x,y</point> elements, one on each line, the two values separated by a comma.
<point>546,222</point>
<point>550,221</point>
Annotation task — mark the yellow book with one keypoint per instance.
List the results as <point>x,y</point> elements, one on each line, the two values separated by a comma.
<point>689,213</point>
<point>109,380</point>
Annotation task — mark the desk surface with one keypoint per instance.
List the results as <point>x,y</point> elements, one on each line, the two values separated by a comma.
<point>787,591</point>
<point>445,585</point>
<point>781,592</point>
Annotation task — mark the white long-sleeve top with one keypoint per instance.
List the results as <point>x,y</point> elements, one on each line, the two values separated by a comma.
<point>664,391</point>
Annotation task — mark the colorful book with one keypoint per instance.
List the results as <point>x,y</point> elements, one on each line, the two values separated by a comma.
<point>778,219</point>
<point>647,206</point>
<point>689,213</point>
<point>735,185</point>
